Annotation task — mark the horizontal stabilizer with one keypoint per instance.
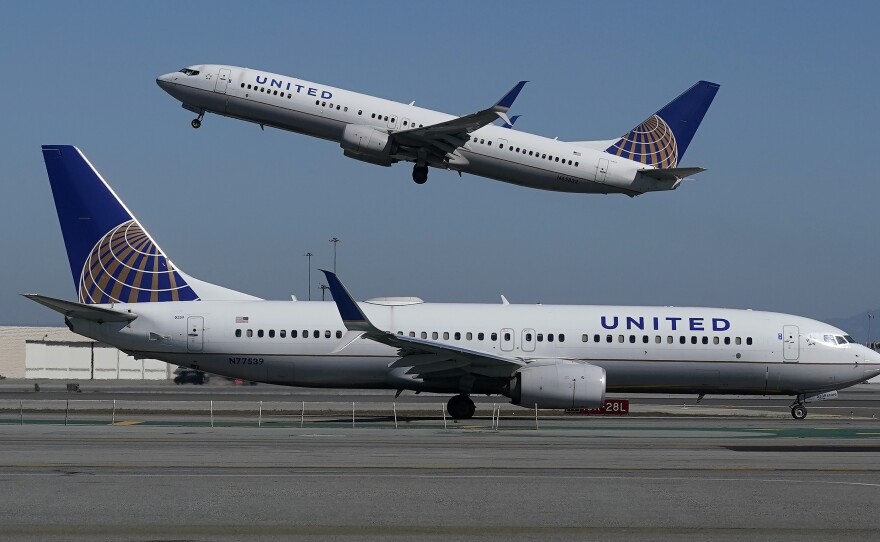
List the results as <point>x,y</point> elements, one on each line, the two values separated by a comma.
<point>81,310</point>
<point>672,173</point>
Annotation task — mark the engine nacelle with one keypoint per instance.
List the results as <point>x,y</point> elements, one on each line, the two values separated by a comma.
<point>559,385</point>
<point>367,144</point>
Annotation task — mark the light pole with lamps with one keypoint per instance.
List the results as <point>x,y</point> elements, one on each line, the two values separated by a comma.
<point>334,240</point>
<point>309,256</point>
<point>324,289</point>
<point>870,317</point>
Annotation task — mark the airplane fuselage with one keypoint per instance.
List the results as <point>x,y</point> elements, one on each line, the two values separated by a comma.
<point>642,349</point>
<point>324,112</point>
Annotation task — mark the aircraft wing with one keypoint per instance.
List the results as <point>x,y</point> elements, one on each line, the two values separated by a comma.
<point>423,358</point>
<point>445,137</point>
<point>80,310</point>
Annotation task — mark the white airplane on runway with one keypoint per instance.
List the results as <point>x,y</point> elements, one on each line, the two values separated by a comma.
<point>550,356</point>
<point>383,132</point>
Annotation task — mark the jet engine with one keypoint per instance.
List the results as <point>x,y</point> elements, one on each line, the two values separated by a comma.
<point>559,385</point>
<point>367,144</point>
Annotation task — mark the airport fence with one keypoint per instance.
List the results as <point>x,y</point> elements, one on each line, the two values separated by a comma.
<point>214,413</point>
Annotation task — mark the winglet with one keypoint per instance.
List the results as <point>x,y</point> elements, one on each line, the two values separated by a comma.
<point>352,315</point>
<point>504,103</point>
<point>508,123</point>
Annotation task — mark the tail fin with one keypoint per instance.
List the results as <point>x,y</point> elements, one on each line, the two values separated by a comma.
<point>661,140</point>
<point>112,257</point>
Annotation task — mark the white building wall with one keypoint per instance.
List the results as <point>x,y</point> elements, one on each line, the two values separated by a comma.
<point>12,345</point>
<point>58,353</point>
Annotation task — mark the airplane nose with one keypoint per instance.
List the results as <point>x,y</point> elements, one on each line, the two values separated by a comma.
<point>164,81</point>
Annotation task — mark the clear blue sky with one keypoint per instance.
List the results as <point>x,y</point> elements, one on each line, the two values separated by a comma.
<point>786,218</point>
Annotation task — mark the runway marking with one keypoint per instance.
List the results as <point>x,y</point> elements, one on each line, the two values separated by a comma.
<point>384,531</point>
<point>448,476</point>
<point>128,422</point>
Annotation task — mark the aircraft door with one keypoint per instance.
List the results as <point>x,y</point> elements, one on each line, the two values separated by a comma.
<point>506,339</point>
<point>195,328</point>
<point>528,340</point>
<point>222,81</point>
<point>392,121</point>
<point>790,339</point>
<point>601,170</point>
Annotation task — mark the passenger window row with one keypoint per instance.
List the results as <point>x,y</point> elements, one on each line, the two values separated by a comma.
<point>294,333</point>
<point>480,336</point>
<point>379,116</point>
<point>542,156</point>
<point>658,339</point>
<point>338,107</point>
<point>289,96</point>
<point>267,91</point>
<point>457,335</point>
<point>550,337</point>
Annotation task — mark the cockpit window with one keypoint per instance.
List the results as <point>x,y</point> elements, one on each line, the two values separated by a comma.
<point>849,339</point>
<point>829,339</point>
<point>187,71</point>
<point>840,340</point>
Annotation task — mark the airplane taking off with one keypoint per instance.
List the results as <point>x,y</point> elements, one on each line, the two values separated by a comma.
<point>131,296</point>
<point>383,132</point>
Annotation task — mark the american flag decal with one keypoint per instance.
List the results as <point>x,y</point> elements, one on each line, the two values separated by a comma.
<point>241,319</point>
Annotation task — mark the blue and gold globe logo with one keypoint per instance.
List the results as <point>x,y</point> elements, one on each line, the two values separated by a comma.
<point>125,266</point>
<point>651,142</point>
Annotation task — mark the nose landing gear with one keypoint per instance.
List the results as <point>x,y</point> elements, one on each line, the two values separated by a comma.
<point>461,407</point>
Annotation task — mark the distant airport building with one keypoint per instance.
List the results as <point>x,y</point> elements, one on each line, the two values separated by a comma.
<point>57,353</point>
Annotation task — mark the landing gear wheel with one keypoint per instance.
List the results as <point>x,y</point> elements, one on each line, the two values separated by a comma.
<point>420,174</point>
<point>798,412</point>
<point>196,123</point>
<point>461,407</point>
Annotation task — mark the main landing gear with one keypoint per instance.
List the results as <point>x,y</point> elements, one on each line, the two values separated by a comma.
<point>461,407</point>
<point>798,411</point>
<point>420,173</point>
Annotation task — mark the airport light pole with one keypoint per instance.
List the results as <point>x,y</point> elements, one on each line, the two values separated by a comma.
<point>334,240</point>
<point>309,289</point>
<point>870,317</point>
<point>324,289</point>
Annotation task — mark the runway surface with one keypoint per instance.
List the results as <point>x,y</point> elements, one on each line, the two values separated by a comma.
<point>664,478</point>
<point>861,401</point>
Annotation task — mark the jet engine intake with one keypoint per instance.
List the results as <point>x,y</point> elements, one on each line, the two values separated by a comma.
<point>559,385</point>
<point>367,144</point>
